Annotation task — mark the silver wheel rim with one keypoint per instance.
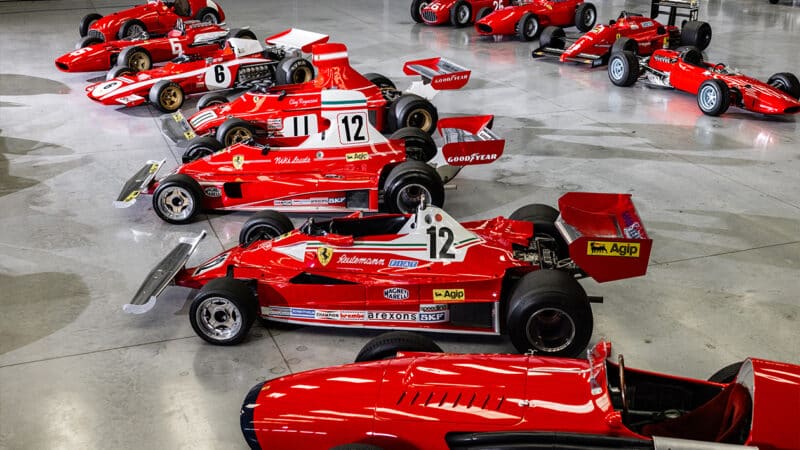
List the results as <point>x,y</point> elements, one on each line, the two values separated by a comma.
<point>588,21</point>
<point>707,97</point>
<point>176,203</point>
<point>550,330</point>
<point>531,27</point>
<point>135,30</point>
<point>209,18</point>
<point>410,195</point>
<point>463,14</point>
<point>617,68</point>
<point>218,318</point>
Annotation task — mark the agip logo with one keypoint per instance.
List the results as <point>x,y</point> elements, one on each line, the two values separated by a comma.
<point>602,248</point>
<point>449,295</point>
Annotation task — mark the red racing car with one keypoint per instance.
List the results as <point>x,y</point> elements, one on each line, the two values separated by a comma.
<point>192,38</point>
<point>240,64</point>
<point>527,18</point>
<point>631,32</point>
<point>425,270</point>
<point>450,401</point>
<point>285,115</point>
<point>459,13</point>
<point>156,18</point>
<point>716,86</point>
<point>345,167</point>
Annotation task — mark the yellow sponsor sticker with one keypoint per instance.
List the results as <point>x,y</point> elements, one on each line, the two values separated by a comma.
<point>324,255</point>
<point>238,162</point>
<point>189,135</point>
<point>358,156</point>
<point>131,196</point>
<point>602,248</point>
<point>153,168</point>
<point>177,117</point>
<point>449,295</point>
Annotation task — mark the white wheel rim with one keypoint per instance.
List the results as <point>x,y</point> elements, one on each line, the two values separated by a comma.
<point>708,98</point>
<point>617,69</point>
<point>218,318</point>
<point>589,19</point>
<point>550,330</point>
<point>463,14</point>
<point>531,27</point>
<point>135,30</point>
<point>176,203</point>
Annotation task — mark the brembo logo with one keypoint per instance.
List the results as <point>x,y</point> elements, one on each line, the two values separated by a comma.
<point>472,158</point>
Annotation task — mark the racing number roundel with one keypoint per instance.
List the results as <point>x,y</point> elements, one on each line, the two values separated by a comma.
<point>218,77</point>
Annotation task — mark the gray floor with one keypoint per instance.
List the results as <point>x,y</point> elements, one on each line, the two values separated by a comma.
<point>720,197</point>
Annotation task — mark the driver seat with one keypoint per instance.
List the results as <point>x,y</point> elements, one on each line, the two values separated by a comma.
<point>724,418</point>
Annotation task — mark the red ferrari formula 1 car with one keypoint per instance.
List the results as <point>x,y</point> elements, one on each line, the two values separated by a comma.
<point>716,86</point>
<point>241,63</point>
<point>526,19</point>
<point>192,39</point>
<point>459,13</point>
<point>155,17</point>
<point>450,401</point>
<point>417,271</point>
<point>631,32</point>
<point>345,167</point>
<point>285,115</point>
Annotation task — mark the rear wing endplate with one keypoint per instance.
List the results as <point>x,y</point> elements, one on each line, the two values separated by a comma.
<point>295,38</point>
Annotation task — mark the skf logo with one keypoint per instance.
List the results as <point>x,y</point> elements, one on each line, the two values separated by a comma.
<point>599,248</point>
<point>396,293</point>
<point>360,156</point>
<point>238,162</point>
<point>448,295</point>
<point>324,255</point>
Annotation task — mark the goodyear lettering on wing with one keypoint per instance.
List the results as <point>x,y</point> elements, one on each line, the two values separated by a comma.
<point>449,295</point>
<point>602,248</point>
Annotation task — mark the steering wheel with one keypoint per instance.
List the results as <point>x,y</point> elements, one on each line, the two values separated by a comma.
<point>719,67</point>
<point>622,394</point>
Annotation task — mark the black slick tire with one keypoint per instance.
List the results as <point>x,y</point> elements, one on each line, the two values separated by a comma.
<point>411,110</point>
<point>207,15</point>
<point>223,311</point>
<point>786,82</point>
<point>177,199</point>
<point>167,96</point>
<point>87,41</point>
<point>200,147</point>
<point>585,17</point>
<point>483,12</point>
<point>543,218</point>
<point>118,71</point>
<point>387,345</point>
<point>625,44</point>
<point>86,22</point>
<point>294,70</point>
<point>553,37</point>
<point>419,144</point>
<point>243,33</point>
<point>713,97</point>
<point>549,313</point>
<point>235,130</point>
<point>416,9</point>
<point>697,34</point>
<point>407,182</point>
<point>264,225</point>
<point>211,99</point>
<point>623,68</point>
<point>461,14</point>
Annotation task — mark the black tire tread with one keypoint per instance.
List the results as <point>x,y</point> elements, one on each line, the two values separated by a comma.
<point>388,344</point>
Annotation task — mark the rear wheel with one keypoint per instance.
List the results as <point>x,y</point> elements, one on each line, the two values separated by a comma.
<point>553,37</point>
<point>461,14</point>
<point>549,313</point>
<point>786,82</point>
<point>264,225</point>
<point>87,41</point>
<point>625,44</point>
<point>713,97</point>
<point>211,99</point>
<point>200,147</point>
<point>387,345</point>
<point>585,17</point>
<point>412,111</point>
<point>386,85</point>
<point>406,185</point>
<point>623,68</point>
<point>416,9</point>
<point>697,34</point>
<point>419,144</point>
<point>207,15</point>
<point>118,71</point>
<point>543,218</point>
<point>177,199</point>
<point>86,23</point>
<point>727,374</point>
<point>527,27</point>
<point>167,96</point>
<point>131,28</point>
<point>235,130</point>
<point>136,58</point>
<point>223,311</point>
<point>243,33</point>
<point>294,70</point>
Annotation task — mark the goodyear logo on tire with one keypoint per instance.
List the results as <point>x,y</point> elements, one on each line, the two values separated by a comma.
<point>601,248</point>
<point>449,295</point>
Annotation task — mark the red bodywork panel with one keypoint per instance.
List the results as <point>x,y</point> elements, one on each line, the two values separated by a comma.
<point>157,17</point>
<point>416,400</point>
<point>99,57</point>
<point>438,11</point>
<point>504,21</point>
<point>756,95</point>
<point>648,33</point>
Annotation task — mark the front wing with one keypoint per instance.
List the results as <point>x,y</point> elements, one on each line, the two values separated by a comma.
<point>137,183</point>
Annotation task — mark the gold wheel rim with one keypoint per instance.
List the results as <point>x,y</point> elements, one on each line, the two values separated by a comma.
<point>139,61</point>
<point>301,75</point>
<point>238,134</point>
<point>171,98</point>
<point>423,116</point>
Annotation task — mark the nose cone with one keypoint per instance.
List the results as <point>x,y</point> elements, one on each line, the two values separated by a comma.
<point>246,416</point>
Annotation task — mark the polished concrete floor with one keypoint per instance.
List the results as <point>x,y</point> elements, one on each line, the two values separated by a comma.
<point>719,196</point>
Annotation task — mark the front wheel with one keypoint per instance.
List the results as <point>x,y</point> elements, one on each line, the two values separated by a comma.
<point>528,27</point>
<point>177,199</point>
<point>167,96</point>
<point>553,37</point>
<point>412,111</point>
<point>388,345</point>
<point>201,147</point>
<point>713,97</point>
<point>130,29</point>
<point>461,14</point>
<point>118,71</point>
<point>408,183</point>
<point>235,130</point>
<point>211,99</point>
<point>419,144</point>
<point>223,311</point>
<point>87,41</point>
<point>623,68</point>
<point>137,58</point>
<point>549,313</point>
<point>585,17</point>
<point>86,23</point>
<point>264,225</point>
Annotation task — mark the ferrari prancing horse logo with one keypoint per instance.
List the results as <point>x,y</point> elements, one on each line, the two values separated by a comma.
<point>324,255</point>
<point>238,162</point>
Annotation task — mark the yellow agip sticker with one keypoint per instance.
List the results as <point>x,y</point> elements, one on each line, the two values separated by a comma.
<point>603,248</point>
<point>449,295</point>
<point>359,156</point>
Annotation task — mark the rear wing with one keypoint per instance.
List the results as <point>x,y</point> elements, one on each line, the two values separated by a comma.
<point>440,73</point>
<point>606,237</point>
<point>675,8</point>
<point>469,140</point>
<point>162,275</point>
<point>295,38</point>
